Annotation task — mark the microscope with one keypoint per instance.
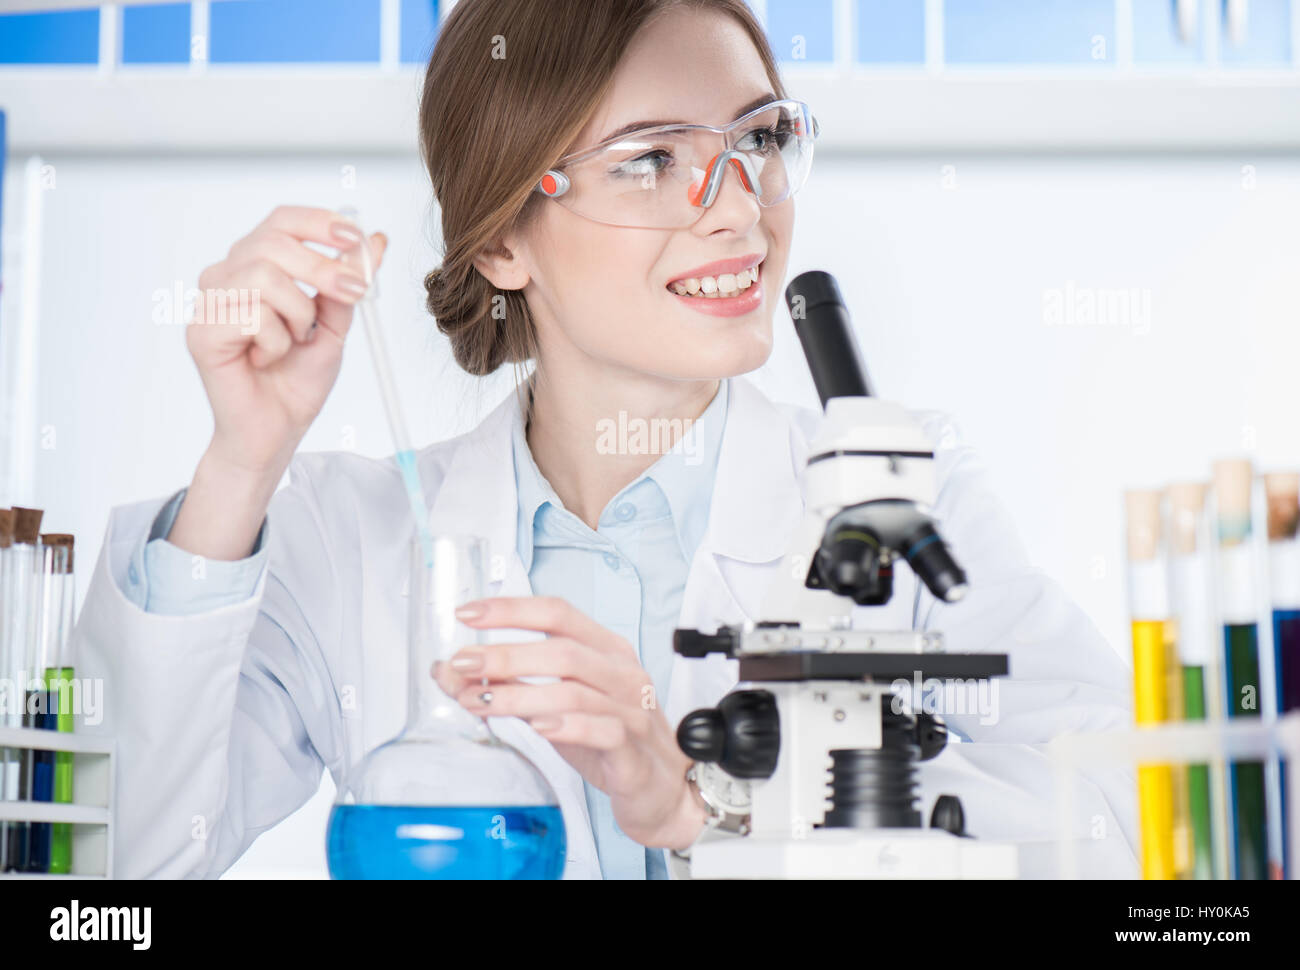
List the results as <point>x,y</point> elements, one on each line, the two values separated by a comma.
<point>812,761</point>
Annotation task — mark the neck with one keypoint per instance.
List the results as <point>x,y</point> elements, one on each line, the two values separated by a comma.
<point>595,428</point>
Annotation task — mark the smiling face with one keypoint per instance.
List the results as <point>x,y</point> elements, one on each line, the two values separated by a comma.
<point>604,293</point>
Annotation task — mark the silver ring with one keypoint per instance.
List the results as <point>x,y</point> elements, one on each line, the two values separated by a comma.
<point>485,697</point>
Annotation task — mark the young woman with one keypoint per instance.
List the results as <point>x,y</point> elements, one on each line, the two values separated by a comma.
<point>231,686</point>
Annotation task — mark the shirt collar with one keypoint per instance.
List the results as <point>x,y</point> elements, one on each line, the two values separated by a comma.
<point>684,474</point>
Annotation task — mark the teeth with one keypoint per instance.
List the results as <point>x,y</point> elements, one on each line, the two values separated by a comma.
<point>711,287</point>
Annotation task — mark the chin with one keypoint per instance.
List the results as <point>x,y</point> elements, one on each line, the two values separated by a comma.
<point>718,356</point>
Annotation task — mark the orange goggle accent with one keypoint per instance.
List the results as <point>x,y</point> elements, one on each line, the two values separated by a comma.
<point>706,191</point>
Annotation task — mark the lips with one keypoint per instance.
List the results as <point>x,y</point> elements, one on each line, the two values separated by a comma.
<point>739,304</point>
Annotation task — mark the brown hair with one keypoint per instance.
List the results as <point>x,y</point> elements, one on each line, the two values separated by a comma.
<point>492,121</point>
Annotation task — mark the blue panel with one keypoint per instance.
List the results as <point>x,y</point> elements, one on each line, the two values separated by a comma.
<point>4,148</point>
<point>419,30</point>
<point>293,31</point>
<point>801,30</point>
<point>1155,33</point>
<point>68,37</point>
<point>1029,32</point>
<point>1268,37</point>
<point>156,34</point>
<point>891,31</point>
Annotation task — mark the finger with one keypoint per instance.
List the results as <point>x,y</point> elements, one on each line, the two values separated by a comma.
<point>308,223</point>
<point>321,272</point>
<point>601,732</point>
<point>451,682</point>
<point>274,289</point>
<point>271,341</point>
<point>561,657</point>
<point>336,315</point>
<point>225,316</point>
<point>527,700</point>
<point>549,614</point>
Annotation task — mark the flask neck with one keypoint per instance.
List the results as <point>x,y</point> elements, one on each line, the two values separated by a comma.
<point>435,635</point>
<point>429,709</point>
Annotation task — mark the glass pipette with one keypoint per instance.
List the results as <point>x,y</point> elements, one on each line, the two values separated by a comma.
<point>405,455</point>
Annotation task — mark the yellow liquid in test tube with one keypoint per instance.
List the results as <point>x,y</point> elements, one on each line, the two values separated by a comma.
<point>1151,652</point>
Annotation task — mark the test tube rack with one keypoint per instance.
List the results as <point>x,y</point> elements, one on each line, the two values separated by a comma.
<point>1215,743</point>
<point>91,815</point>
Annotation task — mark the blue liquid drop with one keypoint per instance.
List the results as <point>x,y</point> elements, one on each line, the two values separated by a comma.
<point>445,842</point>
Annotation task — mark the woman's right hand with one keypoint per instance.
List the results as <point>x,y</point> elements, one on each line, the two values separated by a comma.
<point>268,355</point>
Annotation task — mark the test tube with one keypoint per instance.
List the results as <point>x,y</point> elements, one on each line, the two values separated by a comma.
<point>1152,645</point>
<point>8,702</point>
<point>1233,481</point>
<point>22,596</point>
<point>58,674</point>
<point>40,764</point>
<point>358,258</point>
<point>1282,490</point>
<point>1190,593</point>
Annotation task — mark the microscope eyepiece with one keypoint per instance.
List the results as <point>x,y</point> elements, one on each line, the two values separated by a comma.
<point>822,322</point>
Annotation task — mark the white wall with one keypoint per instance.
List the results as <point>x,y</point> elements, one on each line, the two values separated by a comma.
<point>943,259</point>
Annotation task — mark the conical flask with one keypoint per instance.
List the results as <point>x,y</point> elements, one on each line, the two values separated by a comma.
<point>446,798</point>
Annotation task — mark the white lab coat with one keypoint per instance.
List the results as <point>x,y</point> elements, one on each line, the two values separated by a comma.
<point>225,719</point>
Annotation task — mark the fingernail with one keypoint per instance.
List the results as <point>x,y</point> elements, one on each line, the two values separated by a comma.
<point>468,663</point>
<point>546,723</point>
<point>470,611</point>
<point>350,284</point>
<point>345,232</point>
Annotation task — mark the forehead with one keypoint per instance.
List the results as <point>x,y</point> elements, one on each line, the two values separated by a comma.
<point>690,66</point>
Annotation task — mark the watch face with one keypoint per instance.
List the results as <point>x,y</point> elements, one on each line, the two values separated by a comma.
<point>721,789</point>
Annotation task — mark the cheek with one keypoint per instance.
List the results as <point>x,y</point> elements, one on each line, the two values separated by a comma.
<point>597,281</point>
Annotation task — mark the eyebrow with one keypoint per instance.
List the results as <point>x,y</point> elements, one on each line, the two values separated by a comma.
<point>758,102</point>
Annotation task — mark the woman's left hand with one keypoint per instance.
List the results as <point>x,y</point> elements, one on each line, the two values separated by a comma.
<point>601,715</point>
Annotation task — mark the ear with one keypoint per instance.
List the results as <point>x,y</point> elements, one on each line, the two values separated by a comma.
<point>502,264</point>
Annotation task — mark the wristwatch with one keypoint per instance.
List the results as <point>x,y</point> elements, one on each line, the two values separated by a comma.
<point>728,800</point>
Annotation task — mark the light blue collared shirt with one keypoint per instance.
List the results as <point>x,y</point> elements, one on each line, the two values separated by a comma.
<point>163,578</point>
<point>628,574</point>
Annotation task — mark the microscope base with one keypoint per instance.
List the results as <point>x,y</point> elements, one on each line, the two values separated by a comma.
<point>841,853</point>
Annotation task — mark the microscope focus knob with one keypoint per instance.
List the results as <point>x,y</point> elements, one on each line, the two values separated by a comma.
<point>742,735</point>
<point>701,734</point>
<point>948,815</point>
<point>931,735</point>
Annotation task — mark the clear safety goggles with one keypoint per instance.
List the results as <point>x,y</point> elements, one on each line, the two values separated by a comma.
<point>665,177</point>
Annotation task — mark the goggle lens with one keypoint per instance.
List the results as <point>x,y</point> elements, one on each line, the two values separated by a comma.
<point>658,178</point>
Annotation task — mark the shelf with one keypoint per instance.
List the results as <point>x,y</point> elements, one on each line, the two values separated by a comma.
<point>53,812</point>
<point>91,816</point>
<point>55,741</point>
<point>310,109</point>
<point>46,875</point>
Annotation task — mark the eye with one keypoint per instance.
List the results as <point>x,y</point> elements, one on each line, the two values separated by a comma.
<point>767,139</point>
<point>651,163</point>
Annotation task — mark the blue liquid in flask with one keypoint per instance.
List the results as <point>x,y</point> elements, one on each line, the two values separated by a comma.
<point>446,842</point>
